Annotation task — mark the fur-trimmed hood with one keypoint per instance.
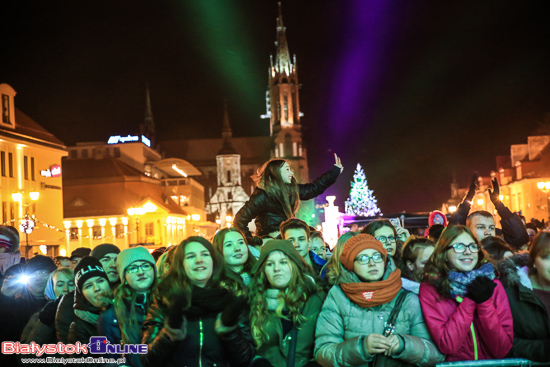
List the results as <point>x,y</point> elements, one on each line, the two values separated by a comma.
<point>513,271</point>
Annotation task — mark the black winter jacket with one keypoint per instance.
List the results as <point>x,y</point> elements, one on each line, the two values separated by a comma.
<point>513,229</point>
<point>531,321</point>
<point>202,345</point>
<point>269,214</point>
<point>64,317</point>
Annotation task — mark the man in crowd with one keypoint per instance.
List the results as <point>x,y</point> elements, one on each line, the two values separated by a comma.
<point>297,231</point>
<point>78,254</point>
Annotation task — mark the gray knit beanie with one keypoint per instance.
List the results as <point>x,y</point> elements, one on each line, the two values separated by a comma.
<point>128,256</point>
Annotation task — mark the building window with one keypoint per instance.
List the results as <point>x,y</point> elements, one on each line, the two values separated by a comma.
<point>5,212</point>
<point>6,109</point>
<point>228,176</point>
<point>32,169</point>
<point>149,229</point>
<point>26,167</point>
<point>229,196</point>
<point>10,164</point>
<point>73,233</point>
<point>119,230</point>
<point>116,152</point>
<point>106,152</point>
<point>73,153</point>
<point>96,231</point>
<point>3,163</point>
<point>12,210</point>
<point>84,153</point>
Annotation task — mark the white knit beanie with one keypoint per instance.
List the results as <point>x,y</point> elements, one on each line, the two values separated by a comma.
<point>128,256</point>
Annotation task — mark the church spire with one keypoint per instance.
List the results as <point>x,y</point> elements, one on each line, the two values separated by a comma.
<point>227,147</point>
<point>283,63</point>
<point>148,126</point>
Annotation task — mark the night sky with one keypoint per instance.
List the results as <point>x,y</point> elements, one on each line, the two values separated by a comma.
<point>415,91</point>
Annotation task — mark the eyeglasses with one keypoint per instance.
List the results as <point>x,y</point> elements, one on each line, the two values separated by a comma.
<point>460,248</point>
<point>386,239</point>
<point>364,259</point>
<point>42,273</point>
<point>134,268</point>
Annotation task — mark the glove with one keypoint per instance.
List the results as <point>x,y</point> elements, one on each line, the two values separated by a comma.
<point>47,314</point>
<point>231,312</point>
<point>473,185</point>
<point>480,290</point>
<point>495,192</point>
<point>175,310</point>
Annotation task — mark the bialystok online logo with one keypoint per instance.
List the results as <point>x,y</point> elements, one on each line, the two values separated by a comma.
<point>97,345</point>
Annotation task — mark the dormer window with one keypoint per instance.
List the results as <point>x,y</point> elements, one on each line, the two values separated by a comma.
<point>7,94</point>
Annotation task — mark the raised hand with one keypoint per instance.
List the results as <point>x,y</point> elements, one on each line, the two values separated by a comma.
<point>338,163</point>
<point>495,192</point>
<point>473,185</point>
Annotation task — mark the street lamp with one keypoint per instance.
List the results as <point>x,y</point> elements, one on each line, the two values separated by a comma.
<point>27,223</point>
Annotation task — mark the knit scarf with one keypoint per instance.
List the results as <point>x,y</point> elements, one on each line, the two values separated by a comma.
<point>271,298</point>
<point>207,300</point>
<point>373,294</point>
<point>459,281</point>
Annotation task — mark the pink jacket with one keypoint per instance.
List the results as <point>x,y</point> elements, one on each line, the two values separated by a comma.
<point>455,326</point>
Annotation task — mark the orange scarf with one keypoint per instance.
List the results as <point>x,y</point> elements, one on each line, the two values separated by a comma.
<point>373,294</point>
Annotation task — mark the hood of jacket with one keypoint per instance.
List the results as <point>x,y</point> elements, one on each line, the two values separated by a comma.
<point>513,271</point>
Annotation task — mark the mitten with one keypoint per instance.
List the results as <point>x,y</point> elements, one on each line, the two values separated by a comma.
<point>472,190</point>
<point>481,289</point>
<point>231,312</point>
<point>47,314</point>
<point>495,192</point>
<point>175,310</point>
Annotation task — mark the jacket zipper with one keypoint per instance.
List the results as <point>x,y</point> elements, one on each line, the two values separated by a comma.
<point>474,340</point>
<point>200,338</point>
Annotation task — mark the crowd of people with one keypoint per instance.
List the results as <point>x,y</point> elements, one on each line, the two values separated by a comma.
<point>283,297</point>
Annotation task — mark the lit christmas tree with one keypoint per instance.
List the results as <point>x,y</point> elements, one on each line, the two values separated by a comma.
<point>361,201</point>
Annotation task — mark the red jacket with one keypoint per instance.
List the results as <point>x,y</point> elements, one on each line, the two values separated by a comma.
<point>455,326</point>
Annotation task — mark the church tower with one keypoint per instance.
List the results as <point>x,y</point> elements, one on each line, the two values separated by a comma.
<point>147,129</point>
<point>283,106</point>
<point>229,196</point>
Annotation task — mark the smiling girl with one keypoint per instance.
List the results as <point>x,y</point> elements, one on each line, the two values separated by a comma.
<point>465,307</point>
<point>188,323</point>
<point>278,197</point>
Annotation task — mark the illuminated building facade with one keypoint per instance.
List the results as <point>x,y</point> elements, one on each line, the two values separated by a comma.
<point>123,192</point>
<point>30,162</point>
<point>521,176</point>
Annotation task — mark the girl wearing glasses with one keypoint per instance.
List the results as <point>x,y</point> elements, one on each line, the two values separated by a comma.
<point>465,307</point>
<point>391,237</point>
<point>122,322</point>
<point>356,326</point>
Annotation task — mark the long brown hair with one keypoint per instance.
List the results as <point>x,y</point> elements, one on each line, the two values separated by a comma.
<point>269,179</point>
<point>297,292</point>
<point>236,286</point>
<point>176,280</point>
<point>436,271</point>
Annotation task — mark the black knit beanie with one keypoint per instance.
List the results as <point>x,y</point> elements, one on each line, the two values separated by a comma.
<point>87,268</point>
<point>106,248</point>
<point>40,262</point>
